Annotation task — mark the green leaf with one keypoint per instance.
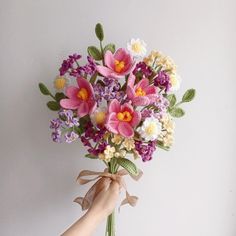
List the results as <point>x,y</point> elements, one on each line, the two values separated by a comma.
<point>160,145</point>
<point>128,165</point>
<point>189,95</point>
<point>172,99</point>
<point>110,47</point>
<point>54,106</point>
<point>176,112</point>
<point>59,96</point>
<point>91,156</point>
<point>99,31</point>
<point>95,53</point>
<point>93,78</point>
<point>44,90</point>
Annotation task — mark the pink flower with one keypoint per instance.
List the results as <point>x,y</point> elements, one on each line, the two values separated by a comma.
<point>122,119</point>
<point>80,98</point>
<point>141,94</point>
<point>118,64</point>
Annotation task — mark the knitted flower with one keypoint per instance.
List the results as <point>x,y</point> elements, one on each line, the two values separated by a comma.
<point>141,94</point>
<point>60,83</point>
<point>80,98</point>
<point>137,47</point>
<point>122,119</point>
<point>118,64</point>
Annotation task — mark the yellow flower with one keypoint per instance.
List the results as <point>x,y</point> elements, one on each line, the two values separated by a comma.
<point>129,144</point>
<point>98,117</point>
<point>117,139</point>
<point>60,83</point>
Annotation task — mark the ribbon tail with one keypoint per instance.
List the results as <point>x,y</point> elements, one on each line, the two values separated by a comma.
<point>131,200</point>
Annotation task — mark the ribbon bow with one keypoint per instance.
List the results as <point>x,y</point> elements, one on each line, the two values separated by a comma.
<point>103,181</point>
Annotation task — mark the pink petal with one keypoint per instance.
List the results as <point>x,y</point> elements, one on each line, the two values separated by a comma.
<point>112,123</point>
<point>136,118</point>
<point>125,130</point>
<point>127,107</point>
<point>83,109</point>
<point>109,59</point>
<point>71,92</point>
<point>120,54</point>
<point>152,97</point>
<point>69,103</point>
<point>143,83</point>
<point>131,80</point>
<point>92,106</point>
<point>83,83</point>
<point>106,72</point>
<point>130,93</point>
<point>114,106</point>
<point>150,90</point>
<point>141,101</point>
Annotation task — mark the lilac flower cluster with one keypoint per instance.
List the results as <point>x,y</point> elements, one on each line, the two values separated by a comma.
<point>143,68</point>
<point>72,67</point>
<point>162,80</point>
<point>145,150</point>
<point>110,90</point>
<point>91,136</point>
<point>161,104</point>
<point>65,122</point>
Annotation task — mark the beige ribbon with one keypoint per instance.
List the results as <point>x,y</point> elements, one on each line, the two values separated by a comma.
<point>103,181</point>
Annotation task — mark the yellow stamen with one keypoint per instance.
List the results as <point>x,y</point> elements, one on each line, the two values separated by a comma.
<point>124,116</point>
<point>151,129</point>
<point>136,47</point>
<point>119,66</point>
<point>140,92</point>
<point>83,94</point>
<point>100,117</point>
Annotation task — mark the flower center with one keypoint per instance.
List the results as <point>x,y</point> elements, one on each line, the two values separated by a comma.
<point>100,117</point>
<point>124,116</point>
<point>119,66</point>
<point>151,129</point>
<point>83,94</point>
<point>136,47</point>
<point>140,92</point>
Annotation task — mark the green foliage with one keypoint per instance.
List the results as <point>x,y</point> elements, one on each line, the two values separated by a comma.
<point>91,156</point>
<point>99,31</point>
<point>59,96</point>
<point>93,78</point>
<point>160,145</point>
<point>189,95</point>
<point>128,165</point>
<point>95,53</point>
<point>176,112</point>
<point>54,106</point>
<point>43,89</point>
<point>110,47</point>
<point>172,99</point>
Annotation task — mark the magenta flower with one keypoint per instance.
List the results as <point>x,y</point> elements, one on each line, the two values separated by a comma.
<point>118,64</point>
<point>122,119</point>
<point>80,98</point>
<point>141,94</point>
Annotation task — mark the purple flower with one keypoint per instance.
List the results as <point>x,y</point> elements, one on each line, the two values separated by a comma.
<point>161,104</point>
<point>56,136</point>
<point>67,115</point>
<point>162,80</point>
<point>145,150</point>
<point>55,123</point>
<point>142,68</point>
<point>71,137</point>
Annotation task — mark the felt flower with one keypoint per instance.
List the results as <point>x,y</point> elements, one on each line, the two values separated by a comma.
<point>108,153</point>
<point>122,119</point>
<point>60,83</point>
<point>137,47</point>
<point>150,129</point>
<point>80,98</point>
<point>98,117</point>
<point>118,64</point>
<point>142,93</point>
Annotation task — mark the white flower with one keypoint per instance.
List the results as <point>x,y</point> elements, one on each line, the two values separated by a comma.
<point>98,116</point>
<point>150,129</point>
<point>137,47</point>
<point>175,82</point>
<point>109,152</point>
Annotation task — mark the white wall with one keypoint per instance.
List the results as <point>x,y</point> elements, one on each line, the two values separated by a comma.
<point>189,191</point>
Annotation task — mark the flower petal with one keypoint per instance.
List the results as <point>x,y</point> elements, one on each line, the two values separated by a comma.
<point>83,109</point>
<point>114,106</point>
<point>141,101</point>
<point>105,71</point>
<point>143,83</point>
<point>125,130</point>
<point>150,90</point>
<point>136,118</point>
<point>109,59</point>
<point>69,103</point>
<point>131,80</point>
<point>112,123</point>
<point>71,92</point>
<point>83,83</point>
<point>130,93</point>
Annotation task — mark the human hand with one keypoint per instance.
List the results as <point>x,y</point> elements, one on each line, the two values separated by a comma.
<point>105,201</point>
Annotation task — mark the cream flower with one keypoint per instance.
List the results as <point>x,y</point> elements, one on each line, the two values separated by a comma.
<point>60,83</point>
<point>98,117</point>
<point>168,139</point>
<point>137,47</point>
<point>107,154</point>
<point>117,139</point>
<point>168,123</point>
<point>175,82</point>
<point>150,129</point>
<point>121,153</point>
<point>128,144</point>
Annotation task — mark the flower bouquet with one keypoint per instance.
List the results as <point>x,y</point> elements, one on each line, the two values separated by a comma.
<point>121,105</point>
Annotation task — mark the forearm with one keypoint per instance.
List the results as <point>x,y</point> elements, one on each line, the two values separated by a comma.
<point>85,226</point>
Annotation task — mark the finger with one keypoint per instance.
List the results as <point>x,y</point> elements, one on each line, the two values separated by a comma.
<point>114,186</point>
